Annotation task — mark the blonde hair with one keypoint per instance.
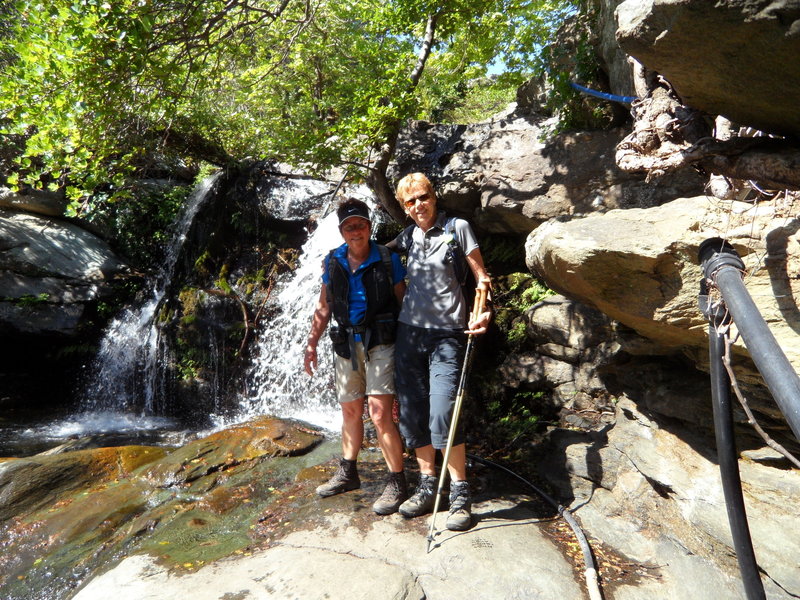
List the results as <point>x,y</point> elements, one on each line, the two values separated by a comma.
<point>409,181</point>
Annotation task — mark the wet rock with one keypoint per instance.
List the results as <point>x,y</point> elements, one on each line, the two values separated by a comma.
<point>27,484</point>
<point>68,514</point>
<point>261,438</point>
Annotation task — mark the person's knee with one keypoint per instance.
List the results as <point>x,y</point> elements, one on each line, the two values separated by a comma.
<point>380,411</point>
<point>352,411</point>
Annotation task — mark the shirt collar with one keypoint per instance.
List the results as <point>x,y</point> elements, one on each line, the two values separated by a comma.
<point>441,220</point>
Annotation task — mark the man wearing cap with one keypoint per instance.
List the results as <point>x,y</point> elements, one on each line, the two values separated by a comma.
<point>362,288</point>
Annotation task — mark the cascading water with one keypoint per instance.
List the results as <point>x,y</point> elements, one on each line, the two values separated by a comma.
<point>126,382</point>
<point>125,391</point>
<point>278,384</point>
<point>121,397</point>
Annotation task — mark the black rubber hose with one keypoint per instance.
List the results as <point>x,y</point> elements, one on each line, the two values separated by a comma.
<point>729,466</point>
<point>590,571</point>
<point>722,265</point>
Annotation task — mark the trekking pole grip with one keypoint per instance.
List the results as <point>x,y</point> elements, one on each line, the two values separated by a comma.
<point>481,293</point>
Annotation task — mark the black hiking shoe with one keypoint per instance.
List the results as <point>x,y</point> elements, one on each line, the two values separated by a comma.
<point>344,479</point>
<point>424,497</point>
<point>395,492</point>
<point>460,517</point>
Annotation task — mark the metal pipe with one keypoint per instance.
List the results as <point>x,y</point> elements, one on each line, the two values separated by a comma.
<point>729,466</point>
<point>722,265</point>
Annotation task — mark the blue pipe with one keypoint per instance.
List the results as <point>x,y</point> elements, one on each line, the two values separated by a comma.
<point>603,95</point>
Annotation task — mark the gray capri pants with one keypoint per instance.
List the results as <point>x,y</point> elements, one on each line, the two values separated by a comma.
<point>427,369</point>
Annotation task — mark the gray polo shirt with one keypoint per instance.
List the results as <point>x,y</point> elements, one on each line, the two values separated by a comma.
<point>433,298</point>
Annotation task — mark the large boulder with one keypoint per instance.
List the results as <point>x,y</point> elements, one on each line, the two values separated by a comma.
<point>640,267</point>
<point>50,270</point>
<point>50,204</point>
<point>737,59</point>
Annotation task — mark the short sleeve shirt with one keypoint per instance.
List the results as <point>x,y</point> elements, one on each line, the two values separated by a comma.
<point>357,296</point>
<point>433,297</point>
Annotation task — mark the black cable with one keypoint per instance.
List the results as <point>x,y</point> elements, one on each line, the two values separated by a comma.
<point>588,557</point>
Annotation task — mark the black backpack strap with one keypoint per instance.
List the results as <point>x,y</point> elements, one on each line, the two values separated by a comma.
<point>386,258</point>
<point>327,263</point>
<point>457,252</point>
<point>402,243</point>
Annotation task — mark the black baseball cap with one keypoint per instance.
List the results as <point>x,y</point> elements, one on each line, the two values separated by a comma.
<point>352,208</point>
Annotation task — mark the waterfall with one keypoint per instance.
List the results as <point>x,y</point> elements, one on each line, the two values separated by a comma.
<point>278,384</point>
<point>126,376</point>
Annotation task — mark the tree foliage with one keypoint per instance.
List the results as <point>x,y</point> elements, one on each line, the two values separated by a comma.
<point>96,89</point>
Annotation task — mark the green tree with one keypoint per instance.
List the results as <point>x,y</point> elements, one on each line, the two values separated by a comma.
<point>96,89</point>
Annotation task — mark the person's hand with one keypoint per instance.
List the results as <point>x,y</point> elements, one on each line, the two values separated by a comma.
<point>310,359</point>
<point>479,325</point>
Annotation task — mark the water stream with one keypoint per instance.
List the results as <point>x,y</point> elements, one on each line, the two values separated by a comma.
<point>124,394</point>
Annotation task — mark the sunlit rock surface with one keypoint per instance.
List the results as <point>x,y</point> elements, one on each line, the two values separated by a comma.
<point>737,58</point>
<point>49,271</point>
<point>640,267</point>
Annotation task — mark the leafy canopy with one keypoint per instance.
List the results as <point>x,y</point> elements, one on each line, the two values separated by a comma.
<point>92,90</point>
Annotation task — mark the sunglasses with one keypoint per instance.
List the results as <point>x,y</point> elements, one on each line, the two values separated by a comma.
<point>354,227</point>
<point>421,198</point>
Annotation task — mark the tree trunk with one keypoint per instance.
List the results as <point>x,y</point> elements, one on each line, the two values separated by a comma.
<point>377,180</point>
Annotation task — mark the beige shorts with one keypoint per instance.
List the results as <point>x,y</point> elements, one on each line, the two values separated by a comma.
<point>374,377</point>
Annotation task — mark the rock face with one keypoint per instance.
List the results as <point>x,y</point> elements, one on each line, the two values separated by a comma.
<point>503,177</point>
<point>640,267</point>
<point>737,59</point>
<point>634,455</point>
<point>655,491</point>
<point>33,201</point>
<point>49,271</point>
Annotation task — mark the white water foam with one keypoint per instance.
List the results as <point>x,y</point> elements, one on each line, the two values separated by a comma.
<point>279,386</point>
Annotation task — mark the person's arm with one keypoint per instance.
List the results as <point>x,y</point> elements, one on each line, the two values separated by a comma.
<point>400,292</point>
<point>475,262</point>
<point>399,277</point>
<point>322,315</point>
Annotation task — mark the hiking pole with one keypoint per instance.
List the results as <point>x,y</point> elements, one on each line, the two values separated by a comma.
<point>477,308</point>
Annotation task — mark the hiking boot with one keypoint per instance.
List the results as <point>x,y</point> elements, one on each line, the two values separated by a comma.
<point>344,479</point>
<point>424,497</point>
<point>459,518</point>
<point>395,492</point>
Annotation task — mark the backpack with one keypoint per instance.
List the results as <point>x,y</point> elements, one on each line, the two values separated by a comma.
<point>455,256</point>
